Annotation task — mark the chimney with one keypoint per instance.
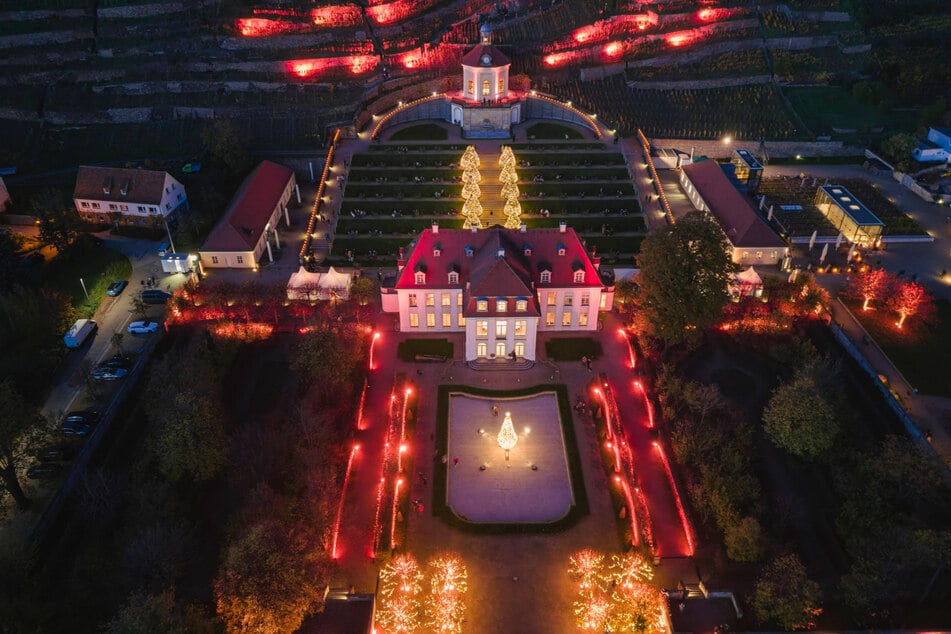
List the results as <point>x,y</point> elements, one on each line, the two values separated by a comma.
<point>400,264</point>
<point>435,227</point>
<point>523,227</point>
<point>562,226</point>
<point>107,186</point>
<point>124,188</point>
<point>500,253</point>
<point>596,261</point>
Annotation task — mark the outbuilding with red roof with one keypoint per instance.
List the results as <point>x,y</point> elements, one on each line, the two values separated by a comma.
<point>242,238</point>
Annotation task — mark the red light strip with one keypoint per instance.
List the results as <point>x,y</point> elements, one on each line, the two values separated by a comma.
<point>647,404</point>
<point>343,496</point>
<point>636,539</point>
<point>630,348</point>
<point>688,532</point>
<point>363,398</point>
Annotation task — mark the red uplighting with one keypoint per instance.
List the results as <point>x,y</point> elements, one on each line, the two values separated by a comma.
<point>706,15</point>
<point>355,64</point>
<point>584,33</point>
<point>257,27</point>
<point>334,554</point>
<point>677,39</point>
<point>688,533</point>
<point>613,49</point>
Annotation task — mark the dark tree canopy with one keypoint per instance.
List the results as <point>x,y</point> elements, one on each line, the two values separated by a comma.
<point>785,596</point>
<point>59,222</point>
<point>685,269</point>
<point>19,424</point>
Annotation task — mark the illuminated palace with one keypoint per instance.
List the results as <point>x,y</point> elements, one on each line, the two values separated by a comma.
<point>498,286</point>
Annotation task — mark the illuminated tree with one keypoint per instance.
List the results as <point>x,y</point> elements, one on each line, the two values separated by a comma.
<point>592,611</point>
<point>509,191</point>
<point>446,606</point>
<point>470,159</point>
<point>636,607</point>
<point>400,585</point>
<point>870,285</point>
<point>630,568</point>
<point>908,299</point>
<point>513,214</point>
<point>587,568</point>
<point>506,158</point>
<point>472,209</point>
<point>471,191</point>
<point>785,596</point>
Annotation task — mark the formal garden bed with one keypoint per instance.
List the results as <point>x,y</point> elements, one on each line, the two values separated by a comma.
<point>410,349</point>
<point>573,348</point>
<point>421,132</point>
<point>552,131</point>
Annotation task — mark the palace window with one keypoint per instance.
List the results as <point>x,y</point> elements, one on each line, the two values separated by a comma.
<point>550,319</point>
<point>482,328</point>
<point>552,296</point>
<point>460,320</point>
<point>470,87</point>
<point>546,277</point>
<point>430,299</point>
<point>430,320</point>
<point>501,305</point>
<point>420,277</point>
<point>447,320</point>
<point>521,305</point>
<point>582,319</point>
<point>414,320</point>
<point>586,299</point>
<point>486,88</point>
<point>501,85</point>
<point>482,349</point>
<point>412,300</point>
<point>446,300</point>
<point>240,259</point>
<point>566,318</point>
<point>519,348</point>
<point>453,278</point>
<point>569,299</point>
<point>520,327</point>
<point>214,259</point>
<point>579,276</point>
<point>482,306</point>
<point>501,328</point>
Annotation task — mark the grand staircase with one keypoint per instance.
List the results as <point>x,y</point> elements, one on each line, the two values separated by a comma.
<point>491,188</point>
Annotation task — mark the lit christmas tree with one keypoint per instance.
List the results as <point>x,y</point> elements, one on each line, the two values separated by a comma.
<point>509,191</point>
<point>445,605</point>
<point>506,158</point>
<point>471,193</point>
<point>472,209</point>
<point>470,159</point>
<point>507,436</point>
<point>471,190</point>
<point>513,214</point>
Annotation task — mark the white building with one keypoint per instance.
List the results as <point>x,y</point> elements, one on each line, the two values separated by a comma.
<point>752,240</point>
<point>104,195</point>
<point>498,286</point>
<point>243,235</point>
<point>937,147</point>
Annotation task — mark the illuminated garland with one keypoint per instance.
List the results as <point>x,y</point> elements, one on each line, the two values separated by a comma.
<point>619,599</point>
<point>506,158</point>
<point>646,148</point>
<point>472,208</point>
<point>513,214</point>
<point>320,193</point>
<point>509,179</point>
<point>400,586</point>
<point>446,606</point>
<point>471,190</point>
<point>470,159</point>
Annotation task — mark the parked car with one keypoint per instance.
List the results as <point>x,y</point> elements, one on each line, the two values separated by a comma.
<point>74,428</point>
<point>56,453</point>
<point>191,168</point>
<point>44,471</point>
<point>115,289</point>
<point>143,327</point>
<point>106,373</point>
<point>155,296</point>
<point>82,416</point>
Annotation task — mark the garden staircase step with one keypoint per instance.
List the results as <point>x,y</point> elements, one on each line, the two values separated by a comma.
<point>501,364</point>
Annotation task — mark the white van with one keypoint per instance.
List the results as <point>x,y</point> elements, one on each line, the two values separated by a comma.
<point>79,332</point>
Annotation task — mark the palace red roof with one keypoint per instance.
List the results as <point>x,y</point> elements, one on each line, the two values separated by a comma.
<point>498,263</point>
<point>243,223</point>
<point>496,57</point>
<point>739,221</point>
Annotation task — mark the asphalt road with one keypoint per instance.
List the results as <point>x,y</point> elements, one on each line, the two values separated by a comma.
<point>113,316</point>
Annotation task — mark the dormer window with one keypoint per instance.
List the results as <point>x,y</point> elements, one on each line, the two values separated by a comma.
<point>470,251</point>
<point>482,305</point>
<point>521,305</point>
<point>560,248</point>
<point>420,277</point>
<point>546,277</point>
<point>579,276</point>
<point>453,277</point>
<point>437,252</point>
<point>527,250</point>
<point>501,305</point>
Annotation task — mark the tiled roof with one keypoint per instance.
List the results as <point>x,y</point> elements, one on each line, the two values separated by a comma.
<point>140,186</point>
<point>243,223</point>
<point>496,57</point>
<point>498,262</point>
<point>739,221</point>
